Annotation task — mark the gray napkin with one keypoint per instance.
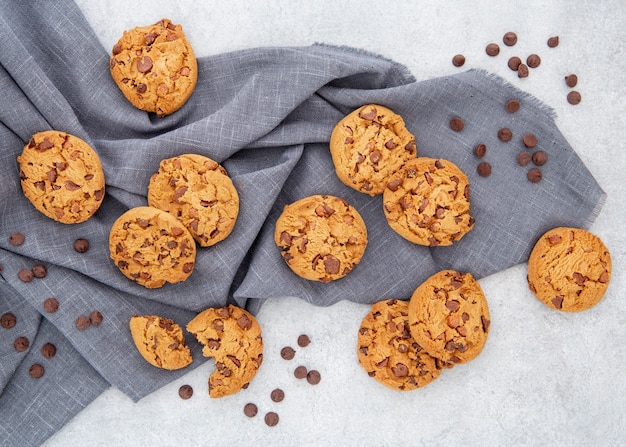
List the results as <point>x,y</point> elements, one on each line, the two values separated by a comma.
<point>267,115</point>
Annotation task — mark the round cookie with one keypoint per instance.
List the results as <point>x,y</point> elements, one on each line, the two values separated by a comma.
<point>62,176</point>
<point>322,238</point>
<point>199,192</point>
<point>160,341</point>
<point>232,337</point>
<point>151,247</point>
<point>449,317</point>
<point>155,67</point>
<point>427,202</point>
<point>569,269</point>
<point>388,352</point>
<point>368,145</point>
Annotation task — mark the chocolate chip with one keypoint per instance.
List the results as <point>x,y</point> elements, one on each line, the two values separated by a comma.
<point>484,169</point>
<point>8,320</point>
<point>244,322</point>
<point>540,158</point>
<point>529,140</point>
<point>480,150</point>
<point>48,350</point>
<point>534,175</point>
<point>505,134</point>
<point>277,395</point>
<point>271,419</point>
<point>300,372</point>
<point>83,322</point>
<point>81,245</point>
<point>39,271</point>
<point>557,302</point>
<point>21,344</point>
<point>287,353</point>
<point>400,370</point>
<point>523,158</point>
<point>25,275</point>
<point>95,318</point>
<point>512,105</point>
<point>492,49</point>
<point>571,80</point>
<point>522,71</point>
<point>313,377</point>
<point>458,60</point>
<point>51,305</point>
<point>368,115</point>
<point>16,239</point>
<point>553,41</point>
<point>574,97</point>
<point>457,124</point>
<point>509,39</point>
<point>533,61</point>
<point>185,392</point>
<point>144,64</point>
<point>250,410</point>
<point>36,371</point>
<point>514,63</point>
<point>303,341</point>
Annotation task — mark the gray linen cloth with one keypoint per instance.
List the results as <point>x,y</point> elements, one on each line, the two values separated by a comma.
<point>266,114</point>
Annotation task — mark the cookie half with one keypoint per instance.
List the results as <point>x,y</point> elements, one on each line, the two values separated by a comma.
<point>155,67</point>
<point>427,202</point>
<point>449,317</point>
<point>388,352</point>
<point>62,176</point>
<point>368,145</point>
<point>151,247</point>
<point>160,341</point>
<point>232,336</point>
<point>569,269</point>
<point>321,237</point>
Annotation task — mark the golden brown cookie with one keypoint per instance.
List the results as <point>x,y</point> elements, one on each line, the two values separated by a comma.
<point>427,202</point>
<point>569,269</point>
<point>449,317</point>
<point>232,337</point>
<point>199,193</point>
<point>155,67</point>
<point>160,341</point>
<point>322,238</point>
<point>388,352</point>
<point>62,176</point>
<point>151,247</point>
<point>368,145</point>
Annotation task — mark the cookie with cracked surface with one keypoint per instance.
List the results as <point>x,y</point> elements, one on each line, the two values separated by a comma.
<point>151,247</point>
<point>449,317</point>
<point>388,352</point>
<point>160,341</point>
<point>62,176</point>
<point>569,269</point>
<point>232,337</point>
<point>368,145</point>
<point>199,193</point>
<point>155,67</point>
<point>427,202</point>
<point>321,237</point>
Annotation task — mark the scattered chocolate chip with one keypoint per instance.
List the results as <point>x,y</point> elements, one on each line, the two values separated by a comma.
<point>303,341</point>
<point>553,41</point>
<point>39,271</point>
<point>484,169</point>
<point>250,410</point>
<point>36,371</point>
<point>533,61</point>
<point>480,150</point>
<point>505,134</point>
<point>522,71</point>
<point>48,350</point>
<point>534,175</point>
<point>524,158</point>
<point>529,140</point>
<point>514,63</point>
<point>492,49</point>
<point>95,318</point>
<point>16,239</point>
<point>540,158</point>
<point>8,320</point>
<point>81,245</point>
<point>21,344</point>
<point>287,353</point>
<point>457,124</point>
<point>83,322</point>
<point>25,275</point>
<point>458,60</point>
<point>300,372</point>
<point>512,105</point>
<point>574,97</point>
<point>271,419</point>
<point>571,80</point>
<point>51,305</point>
<point>313,377</point>
<point>185,392</point>
<point>277,395</point>
<point>509,39</point>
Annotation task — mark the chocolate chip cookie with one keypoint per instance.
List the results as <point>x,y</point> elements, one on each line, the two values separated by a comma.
<point>155,67</point>
<point>427,202</point>
<point>569,269</point>
<point>232,337</point>
<point>321,237</point>
<point>151,247</point>
<point>449,317</point>
<point>368,145</point>
<point>160,341</point>
<point>388,352</point>
<point>199,193</point>
<point>62,176</point>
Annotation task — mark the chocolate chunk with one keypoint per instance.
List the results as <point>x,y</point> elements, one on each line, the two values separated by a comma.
<point>540,158</point>
<point>81,245</point>
<point>36,371</point>
<point>83,322</point>
<point>394,184</point>
<point>505,134</point>
<point>244,322</point>
<point>457,124</point>
<point>522,71</point>
<point>523,158</point>
<point>25,275</point>
<point>21,344</point>
<point>95,318</point>
<point>300,372</point>
<point>453,305</point>
<point>185,392</point>
<point>484,169</point>
<point>51,305</point>
<point>553,41</point>
<point>331,264</point>
<point>557,302</point>
<point>369,115</point>
<point>571,80</point>
<point>39,271</point>
<point>534,175</point>
<point>400,370</point>
<point>277,395</point>
<point>303,341</point>
<point>458,60</point>
<point>509,39</point>
<point>16,239</point>
<point>529,140</point>
<point>480,150</point>
<point>144,64</point>
<point>250,410</point>
<point>313,377</point>
<point>287,353</point>
<point>8,320</point>
<point>48,350</point>
<point>271,419</point>
<point>514,63</point>
<point>533,61</point>
<point>512,105</point>
<point>574,97</point>
<point>492,49</point>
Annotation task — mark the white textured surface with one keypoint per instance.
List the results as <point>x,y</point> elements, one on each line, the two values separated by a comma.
<point>544,378</point>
